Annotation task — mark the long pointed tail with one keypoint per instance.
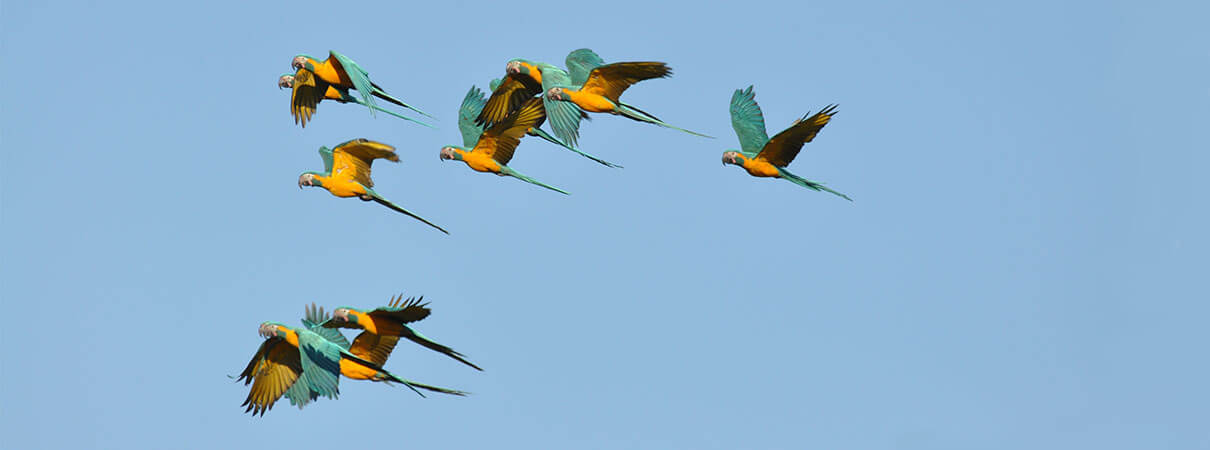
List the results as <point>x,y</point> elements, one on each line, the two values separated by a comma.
<point>376,108</point>
<point>633,113</point>
<point>397,208</point>
<point>413,385</point>
<point>383,95</point>
<point>512,173</point>
<point>544,135</point>
<point>425,342</point>
<point>809,184</point>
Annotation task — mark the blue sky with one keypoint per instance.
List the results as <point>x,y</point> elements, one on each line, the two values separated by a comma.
<point>1020,267</point>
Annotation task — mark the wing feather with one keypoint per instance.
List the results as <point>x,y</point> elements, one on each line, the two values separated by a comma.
<point>580,62</point>
<point>353,159</point>
<point>372,347</point>
<point>748,121</point>
<point>507,98</point>
<point>358,76</point>
<point>611,80</point>
<point>782,148</point>
<point>305,95</point>
<point>273,370</point>
<point>501,140</point>
<point>320,363</point>
<point>472,105</point>
<point>564,116</point>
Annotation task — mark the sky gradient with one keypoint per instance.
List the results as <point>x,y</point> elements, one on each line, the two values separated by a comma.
<point>1020,266</point>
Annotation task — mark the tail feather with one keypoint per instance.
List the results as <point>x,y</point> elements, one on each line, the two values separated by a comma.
<point>512,173</point>
<point>387,203</point>
<point>413,385</point>
<point>544,135</point>
<point>633,113</point>
<point>425,342</point>
<point>809,184</point>
<point>383,95</point>
<point>393,113</point>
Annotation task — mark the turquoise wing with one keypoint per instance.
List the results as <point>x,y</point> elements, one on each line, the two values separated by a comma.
<point>472,104</point>
<point>563,117</point>
<point>359,77</point>
<point>300,394</point>
<point>748,122</point>
<point>326,154</point>
<point>580,63</point>
<point>314,320</point>
<point>320,363</point>
<point>495,83</point>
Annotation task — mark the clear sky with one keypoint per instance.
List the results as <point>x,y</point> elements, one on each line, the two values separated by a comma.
<point>1023,266</point>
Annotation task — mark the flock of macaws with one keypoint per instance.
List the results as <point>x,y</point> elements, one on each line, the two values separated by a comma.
<point>306,363</point>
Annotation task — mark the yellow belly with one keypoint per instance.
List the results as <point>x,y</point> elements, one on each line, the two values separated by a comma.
<point>591,102</point>
<point>480,162</point>
<point>356,371</point>
<point>327,72</point>
<point>759,168</point>
<point>343,188</point>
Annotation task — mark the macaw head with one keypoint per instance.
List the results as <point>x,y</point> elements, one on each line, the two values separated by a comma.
<point>557,94</point>
<point>523,67</point>
<point>270,330</point>
<point>448,152</point>
<point>286,80</point>
<point>733,157</point>
<point>309,179</point>
<point>301,61</point>
<point>341,314</point>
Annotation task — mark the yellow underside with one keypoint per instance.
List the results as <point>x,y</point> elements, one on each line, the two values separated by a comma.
<point>590,102</point>
<point>480,162</point>
<point>356,371</point>
<point>342,187</point>
<point>759,168</point>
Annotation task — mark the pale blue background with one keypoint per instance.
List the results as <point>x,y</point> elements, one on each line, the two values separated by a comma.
<point>1023,266</point>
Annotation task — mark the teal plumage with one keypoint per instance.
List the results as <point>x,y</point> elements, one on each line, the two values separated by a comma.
<point>536,131</point>
<point>748,122</point>
<point>472,104</point>
<point>564,117</point>
<point>579,63</point>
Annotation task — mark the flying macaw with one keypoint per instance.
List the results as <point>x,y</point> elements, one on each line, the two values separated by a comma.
<point>491,150</point>
<point>596,87</point>
<point>347,173</point>
<point>383,326</point>
<point>307,91</point>
<point>764,157</point>
<point>524,80</point>
<point>303,366</point>
<point>476,96</point>
<point>340,71</point>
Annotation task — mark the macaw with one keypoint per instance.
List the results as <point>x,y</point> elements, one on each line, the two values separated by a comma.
<point>764,157</point>
<point>340,71</point>
<point>347,173</point>
<point>476,96</point>
<point>307,91</point>
<point>596,87</point>
<point>383,326</point>
<point>524,80</point>
<point>491,150</point>
<point>303,366</point>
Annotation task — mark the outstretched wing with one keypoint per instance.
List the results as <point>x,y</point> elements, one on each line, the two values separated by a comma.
<point>305,95</point>
<point>580,62</point>
<point>352,159</point>
<point>564,116</point>
<point>403,311</point>
<point>472,104</point>
<point>611,80</point>
<point>325,153</point>
<point>320,362</point>
<point>507,98</point>
<point>317,320</point>
<point>272,371</point>
<point>501,140</point>
<point>372,347</point>
<point>783,147</point>
<point>748,122</point>
<point>358,76</point>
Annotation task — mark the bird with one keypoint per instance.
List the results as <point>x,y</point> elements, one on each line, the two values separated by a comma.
<point>383,326</point>
<point>526,79</point>
<point>764,157</point>
<point>490,150</point>
<point>307,91</point>
<point>476,96</point>
<point>347,173</point>
<point>304,365</point>
<point>603,85</point>
<point>341,71</point>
